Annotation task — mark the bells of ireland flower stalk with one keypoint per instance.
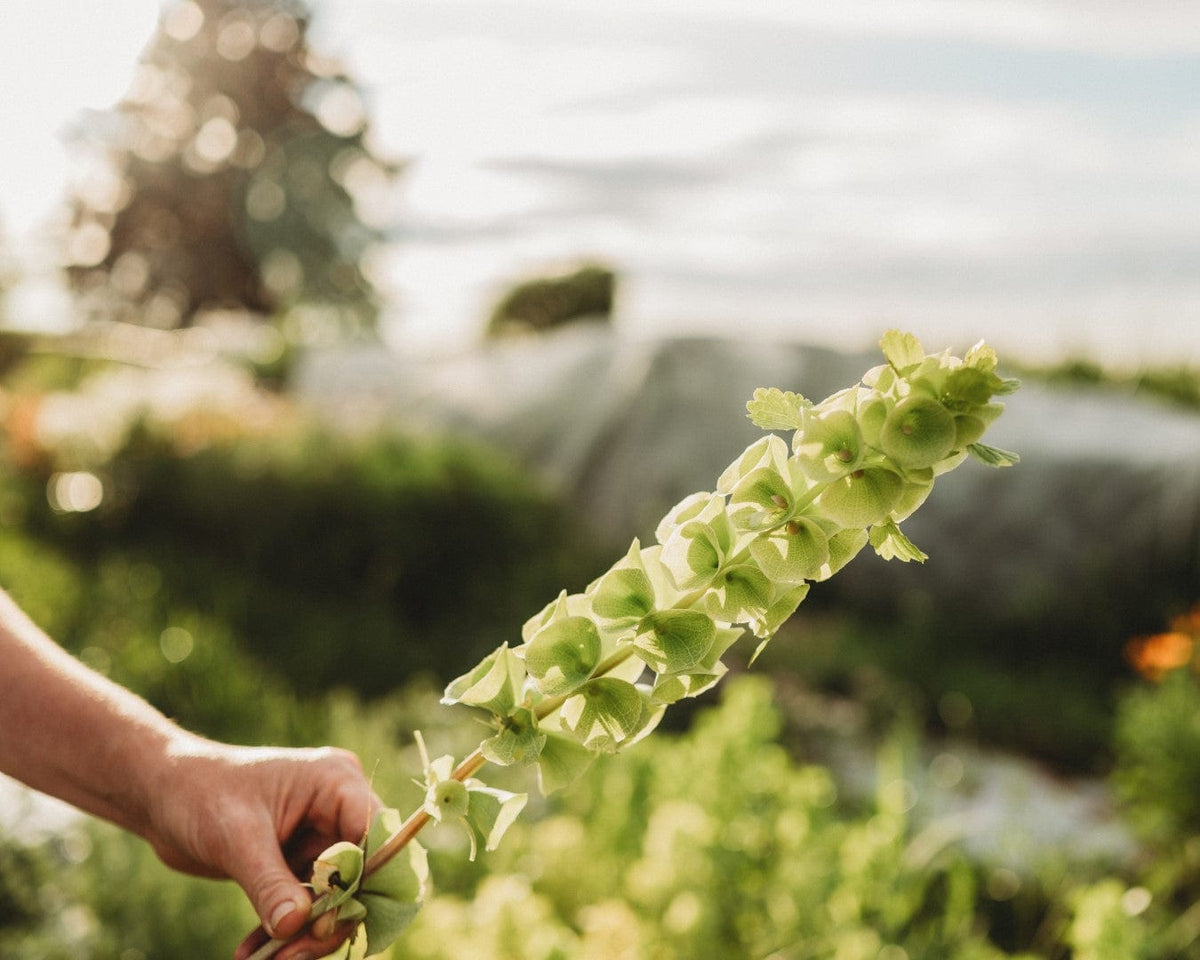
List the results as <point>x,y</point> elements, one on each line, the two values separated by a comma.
<point>595,671</point>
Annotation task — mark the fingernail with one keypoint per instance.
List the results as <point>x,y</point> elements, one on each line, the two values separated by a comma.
<point>279,913</point>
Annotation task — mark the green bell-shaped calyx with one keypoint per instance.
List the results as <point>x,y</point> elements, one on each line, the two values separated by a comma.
<point>861,499</point>
<point>918,433</point>
<point>795,552</point>
<point>738,594</point>
<point>491,812</point>
<point>518,740</point>
<point>625,594</point>
<point>695,550</point>
<point>829,443</point>
<point>673,641</point>
<point>562,761</point>
<point>336,873</point>
<point>563,654</point>
<point>604,713</point>
<point>393,894</point>
<point>495,684</point>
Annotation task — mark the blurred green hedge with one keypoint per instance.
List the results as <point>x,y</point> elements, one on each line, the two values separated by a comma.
<point>216,576</point>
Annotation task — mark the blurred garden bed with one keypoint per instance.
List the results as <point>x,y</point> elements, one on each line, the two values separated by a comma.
<point>265,573</point>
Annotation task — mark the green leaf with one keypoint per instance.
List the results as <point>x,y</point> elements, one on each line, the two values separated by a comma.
<point>902,350</point>
<point>775,409</point>
<point>794,553</point>
<point>603,713</point>
<point>561,762</point>
<point>861,499</point>
<point>982,357</point>
<point>891,544</point>
<point>563,654</point>
<point>673,641</point>
<point>495,684</point>
<point>993,456</point>
<point>518,741</point>
<point>491,812</point>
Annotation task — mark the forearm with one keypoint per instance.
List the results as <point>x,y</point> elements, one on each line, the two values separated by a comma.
<point>71,733</point>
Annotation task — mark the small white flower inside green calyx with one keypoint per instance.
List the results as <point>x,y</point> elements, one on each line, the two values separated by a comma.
<point>447,799</point>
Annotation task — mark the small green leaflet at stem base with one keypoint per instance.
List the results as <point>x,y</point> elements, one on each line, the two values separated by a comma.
<point>775,409</point>
<point>993,456</point>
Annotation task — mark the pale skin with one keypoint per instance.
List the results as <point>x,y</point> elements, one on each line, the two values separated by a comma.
<point>252,814</point>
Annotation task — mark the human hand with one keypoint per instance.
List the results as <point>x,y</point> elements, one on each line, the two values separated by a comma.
<point>260,816</point>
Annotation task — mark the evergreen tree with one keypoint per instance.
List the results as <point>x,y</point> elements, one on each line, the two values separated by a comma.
<point>236,173</point>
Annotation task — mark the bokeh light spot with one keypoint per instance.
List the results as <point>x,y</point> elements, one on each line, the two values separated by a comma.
<point>75,492</point>
<point>176,644</point>
<point>183,21</point>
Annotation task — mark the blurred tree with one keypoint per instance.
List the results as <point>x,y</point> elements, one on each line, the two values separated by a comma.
<point>538,305</point>
<point>236,173</point>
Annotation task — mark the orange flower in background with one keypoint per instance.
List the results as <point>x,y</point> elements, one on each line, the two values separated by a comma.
<point>1156,656</point>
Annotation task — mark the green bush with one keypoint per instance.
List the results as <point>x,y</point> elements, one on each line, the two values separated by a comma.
<point>332,561</point>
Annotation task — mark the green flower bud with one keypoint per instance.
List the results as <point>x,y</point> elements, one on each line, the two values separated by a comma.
<point>338,868</point>
<point>918,433</point>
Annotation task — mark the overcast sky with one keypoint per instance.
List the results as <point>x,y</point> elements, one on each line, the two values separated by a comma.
<point>1028,172</point>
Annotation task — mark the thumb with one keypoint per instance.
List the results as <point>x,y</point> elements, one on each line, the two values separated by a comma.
<point>280,900</point>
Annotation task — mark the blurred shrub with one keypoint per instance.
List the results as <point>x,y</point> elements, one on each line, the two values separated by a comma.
<point>1179,386</point>
<point>539,305</point>
<point>713,845</point>
<point>333,561</point>
<point>98,893</point>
